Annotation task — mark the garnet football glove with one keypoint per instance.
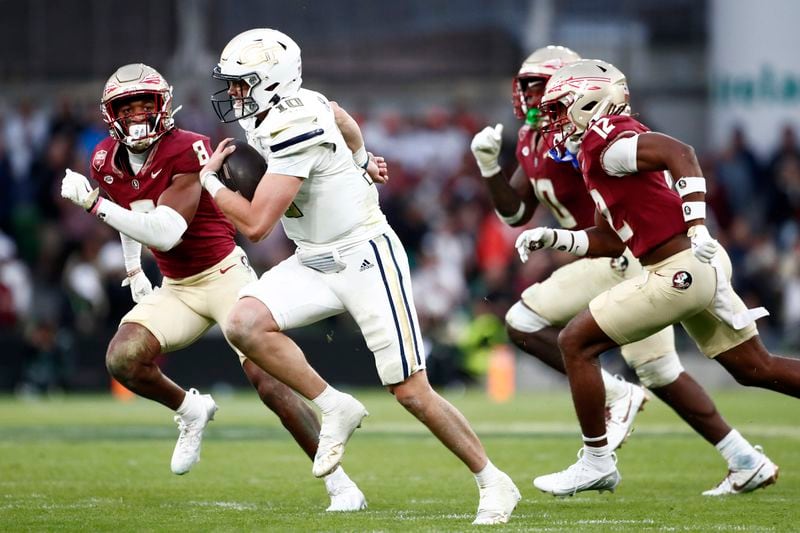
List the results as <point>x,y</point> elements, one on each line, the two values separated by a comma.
<point>77,189</point>
<point>140,285</point>
<point>703,246</point>
<point>574,242</point>
<point>485,147</point>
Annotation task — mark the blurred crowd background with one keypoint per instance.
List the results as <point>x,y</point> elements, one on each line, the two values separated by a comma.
<point>421,77</point>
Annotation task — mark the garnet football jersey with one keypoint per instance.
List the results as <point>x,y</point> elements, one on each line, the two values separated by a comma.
<point>209,237</point>
<point>642,208</point>
<point>558,186</point>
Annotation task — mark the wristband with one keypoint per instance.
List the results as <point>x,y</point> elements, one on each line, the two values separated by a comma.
<point>688,185</point>
<point>133,272</point>
<point>693,210</point>
<point>95,198</point>
<point>211,183</point>
<point>574,242</point>
<point>361,157</point>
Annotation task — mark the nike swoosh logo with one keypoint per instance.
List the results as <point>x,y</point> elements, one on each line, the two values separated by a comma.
<point>737,487</point>
<point>154,175</point>
<point>223,270</point>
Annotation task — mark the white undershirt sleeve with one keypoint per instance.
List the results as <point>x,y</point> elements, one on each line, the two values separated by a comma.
<point>619,159</point>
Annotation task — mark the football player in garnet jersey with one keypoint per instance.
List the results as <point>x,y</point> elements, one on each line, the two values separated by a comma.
<point>660,217</point>
<point>533,323</point>
<point>348,258</point>
<point>148,169</point>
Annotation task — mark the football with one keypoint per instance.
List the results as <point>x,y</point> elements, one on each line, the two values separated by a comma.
<point>243,169</point>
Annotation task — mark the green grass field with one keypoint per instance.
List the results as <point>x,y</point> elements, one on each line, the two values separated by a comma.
<point>90,463</point>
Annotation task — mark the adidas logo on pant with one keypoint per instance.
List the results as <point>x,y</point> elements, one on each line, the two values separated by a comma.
<point>365,265</point>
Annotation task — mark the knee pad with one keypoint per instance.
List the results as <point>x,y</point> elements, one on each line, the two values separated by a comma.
<point>659,372</point>
<point>524,319</point>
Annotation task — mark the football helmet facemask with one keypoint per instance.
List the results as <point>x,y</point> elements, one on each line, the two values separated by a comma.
<point>537,68</point>
<point>266,64</point>
<point>581,92</point>
<point>132,82</point>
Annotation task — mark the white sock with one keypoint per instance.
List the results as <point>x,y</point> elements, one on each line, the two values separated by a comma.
<point>739,453</point>
<point>187,404</point>
<point>598,456</point>
<point>336,478</point>
<point>615,388</point>
<point>488,475</point>
<point>328,400</point>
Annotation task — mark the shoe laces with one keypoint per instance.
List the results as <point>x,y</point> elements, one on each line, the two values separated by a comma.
<point>188,432</point>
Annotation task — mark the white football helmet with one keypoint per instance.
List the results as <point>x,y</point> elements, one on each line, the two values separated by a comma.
<point>538,67</point>
<point>582,92</point>
<point>267,62</point>
<point>131,82</point>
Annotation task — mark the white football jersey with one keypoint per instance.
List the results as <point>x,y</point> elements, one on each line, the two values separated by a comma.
<point>337,205</point>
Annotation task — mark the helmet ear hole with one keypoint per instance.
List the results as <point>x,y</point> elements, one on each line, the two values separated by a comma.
<point>589,106</point>
<point>272,87</point>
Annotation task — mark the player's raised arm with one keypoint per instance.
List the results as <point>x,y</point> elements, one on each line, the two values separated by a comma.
<point>273,196</point>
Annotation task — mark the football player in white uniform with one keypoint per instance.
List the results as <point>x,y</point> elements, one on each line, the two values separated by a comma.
<point>348,258</point>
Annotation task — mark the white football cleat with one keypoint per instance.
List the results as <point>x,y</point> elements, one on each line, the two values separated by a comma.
<point>191,426</point>
<point>765,473</point>
<point>579,477</point>
<point>621,414</point>
<point>346,498</point>
<point>345,495</point>
<point>337,427</point>
<point>497,502</point>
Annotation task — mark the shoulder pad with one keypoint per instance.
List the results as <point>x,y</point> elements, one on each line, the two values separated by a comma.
<point>294,132</point>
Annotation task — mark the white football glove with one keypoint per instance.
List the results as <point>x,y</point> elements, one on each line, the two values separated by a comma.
<point>485,147</point>
<point>77,189</point>
<point>563,240</point>
<point>140,286</point>
<point>704,247</point>
<point>534,239</point>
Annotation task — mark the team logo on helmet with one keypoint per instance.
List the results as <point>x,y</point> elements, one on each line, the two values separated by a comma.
<point>682,280</point>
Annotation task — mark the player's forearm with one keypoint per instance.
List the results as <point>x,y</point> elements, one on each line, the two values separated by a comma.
<point>131,253</point>
<point>692,191</point>
<point>254,226</point>
<point>513,208</point>
<point>160,229</point>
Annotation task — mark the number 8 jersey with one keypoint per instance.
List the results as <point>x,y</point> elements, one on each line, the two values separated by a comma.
<point>209,237</point>
<point>558,186</point>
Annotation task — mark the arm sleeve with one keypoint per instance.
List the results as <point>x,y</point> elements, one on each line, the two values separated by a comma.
<point>160,229</point>
<point>619,159</point>
<point>131,252</point>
